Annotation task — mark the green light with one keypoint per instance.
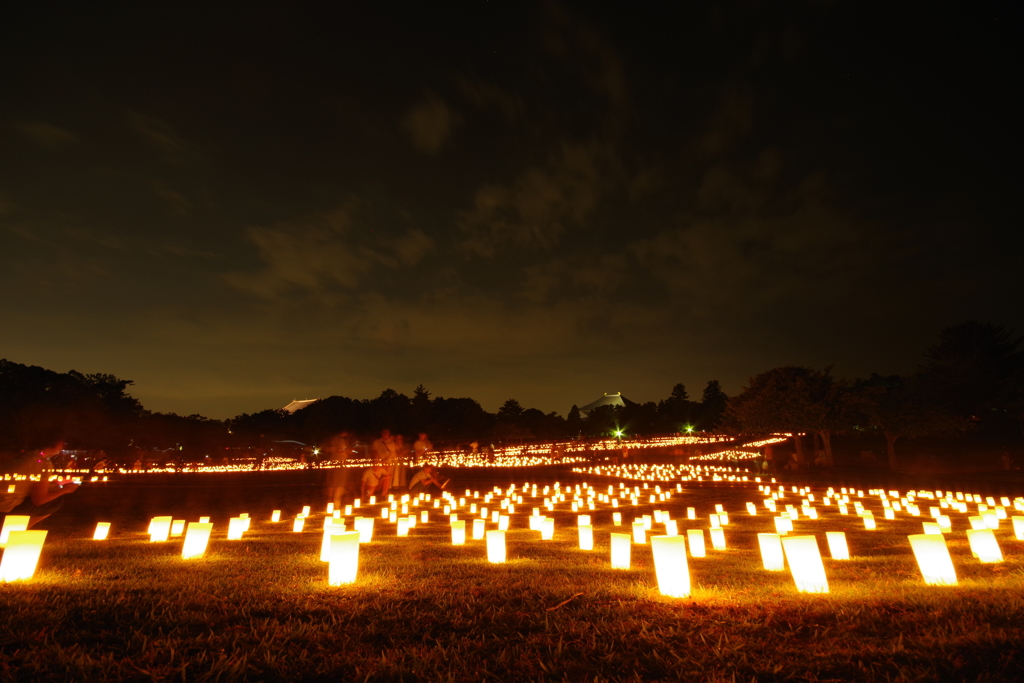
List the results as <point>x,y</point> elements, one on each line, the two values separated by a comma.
<point>689,429</point>
<point>619,432</point>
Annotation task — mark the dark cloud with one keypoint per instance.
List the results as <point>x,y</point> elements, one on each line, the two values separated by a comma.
<point>430,123</point>
<point>45,134</point>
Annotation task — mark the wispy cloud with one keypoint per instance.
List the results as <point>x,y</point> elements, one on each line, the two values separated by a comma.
<point>430,123</point>
<point>45,134</point>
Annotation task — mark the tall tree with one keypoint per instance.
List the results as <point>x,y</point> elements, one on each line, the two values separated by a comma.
<point>712,405</point>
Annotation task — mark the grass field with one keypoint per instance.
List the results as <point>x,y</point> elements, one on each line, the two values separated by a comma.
<point>422,609</point>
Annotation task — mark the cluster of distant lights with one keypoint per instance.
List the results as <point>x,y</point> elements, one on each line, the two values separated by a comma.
<point>787,519</point>
<point>531,455</point>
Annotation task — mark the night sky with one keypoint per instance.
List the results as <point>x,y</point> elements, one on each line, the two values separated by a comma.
<point>237,205</point>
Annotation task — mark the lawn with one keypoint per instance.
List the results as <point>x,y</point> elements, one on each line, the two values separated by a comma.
<point>422,609</point>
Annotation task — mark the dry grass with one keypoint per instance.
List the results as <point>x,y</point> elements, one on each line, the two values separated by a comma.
<point>260,609</point>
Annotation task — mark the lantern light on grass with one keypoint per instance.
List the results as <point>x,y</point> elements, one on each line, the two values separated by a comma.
<point>984,545</point>
<point>344,559</point>
<point>991,520</point>
<point>869,521</point>
<point>403,526</point>
<point>13,523</point>
<point>691,513</point>
<point>1018,527</point>
<point>805,563</point>
<point>177,527</point>
<point>364,525</point>
<point>837,546</point>
<point>617,518</point>
<point>944,523</point>
<point>890,513</point>
<point>21,554</point>
<point>298,524</point>
<point>977,522</point>
<point>582,520</point>
<point>275,516</point>
<point>771,552</point>
<point>197,537</point>
<point>479,526</point>
<point>933,558</point>
<point>695,537</point>
<point>547,528</point>
<point>330,527</point>
<point>495,546</point>
<point>783,525</point>
<point>424,516</point>
<point>670,565</point>
<point>751,509</point>
<point>586,536</point>
<point>348,509</point>
<point>102,531</point>
<point>718,538</point>
<point>504,521</point>
<point>459,532</point>
<point>931,528</point>
<point>671,528</point>
<point>160,529</point>
<point>236,527</point>
<point>621,546</point>
<point>204,520</point>
<point>639,532</point>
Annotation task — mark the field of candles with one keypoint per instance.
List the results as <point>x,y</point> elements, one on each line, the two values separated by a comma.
<point>648,572</point>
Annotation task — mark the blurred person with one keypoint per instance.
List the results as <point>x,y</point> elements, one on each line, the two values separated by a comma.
<point>427,480</point>
<point>421,448</point>
<point>398,467</point>
<point>37,499</point>
<point>384,448</point>
<point>376,481</point>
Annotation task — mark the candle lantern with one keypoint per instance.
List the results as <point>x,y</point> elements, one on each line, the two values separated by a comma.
<point>1018,527</point>
<point>671,528</point>
<point>503,522</point>
<point>932,528</point>
<point>783,525</point>
<point>805,564</point>
<point>298,524</point>
<point>21,554</point>
<point>933,558</point>
<point>495,546</point>
<point>586,536</point>
<point>837,545</point>
<point>403,527</point>
<point>160,529</point>
<point>236,527</point>
<point>547,528</point>
<point>771,552</point>
<point>275,516</point>
<point>459,532</point>
<point>984,545</point>
<point>621,546</point>
<point>670,565</point>
<point>364,525</point>
<point>718,538</point>
<point>331,526</point>
<point>695,537</point>
<point>479,526</point>
<point>639,532</point>
<point>177,527</point>
<point>102,531</point>
<point>197,537</point>
<point>617,518</point>
<point>344,558</point>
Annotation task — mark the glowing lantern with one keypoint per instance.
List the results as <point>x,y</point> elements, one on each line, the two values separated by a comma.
<point>102,531</point>
<point>479,526</point>
<point>547,528</point>
<point>177,527</point>
<point>977,522</point>
<point>13,523</point>
<point>696,539</point>
<point>459,532</point>
<point>718,538</point>
<point>330,508</point>
<point>424,516</point>
<point>670,565</point>
<point>344,559</point>
<point>305,510</point>
<point>837,545</point>
<point>503,522</point>
<point>582,520</point>
<point>890,513</point>
<point>671,528</point>
<point>771,552</point>
<point>944,523</point>
<point>298,524</point>
<point>403,526</point>
<point>275,516</point>
<point>931,528</point>
<point>364,525</point>
<point>586,536</point>
<point>869,521</point>
<point>1018,527</point>
<point>933,558</point>
<point>713,519</point>
<point>805,564</point>
<point>639,532</point>
<point>236,527</point>
<point>617,518</point>
<point>197,536</point>
<point>783,525</point>
<point>348,509</point>
<point>204,520</point>
<point>160,529</point>
<point>330,527</point>
<point>21,554</point>
<point>751,509</point>
<point>984,545</point>
<point>495,546</point>
<point>991,520</point>
<point>621,546</point>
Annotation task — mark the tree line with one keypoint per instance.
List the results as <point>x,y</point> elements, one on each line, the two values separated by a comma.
<point>972,379</point>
